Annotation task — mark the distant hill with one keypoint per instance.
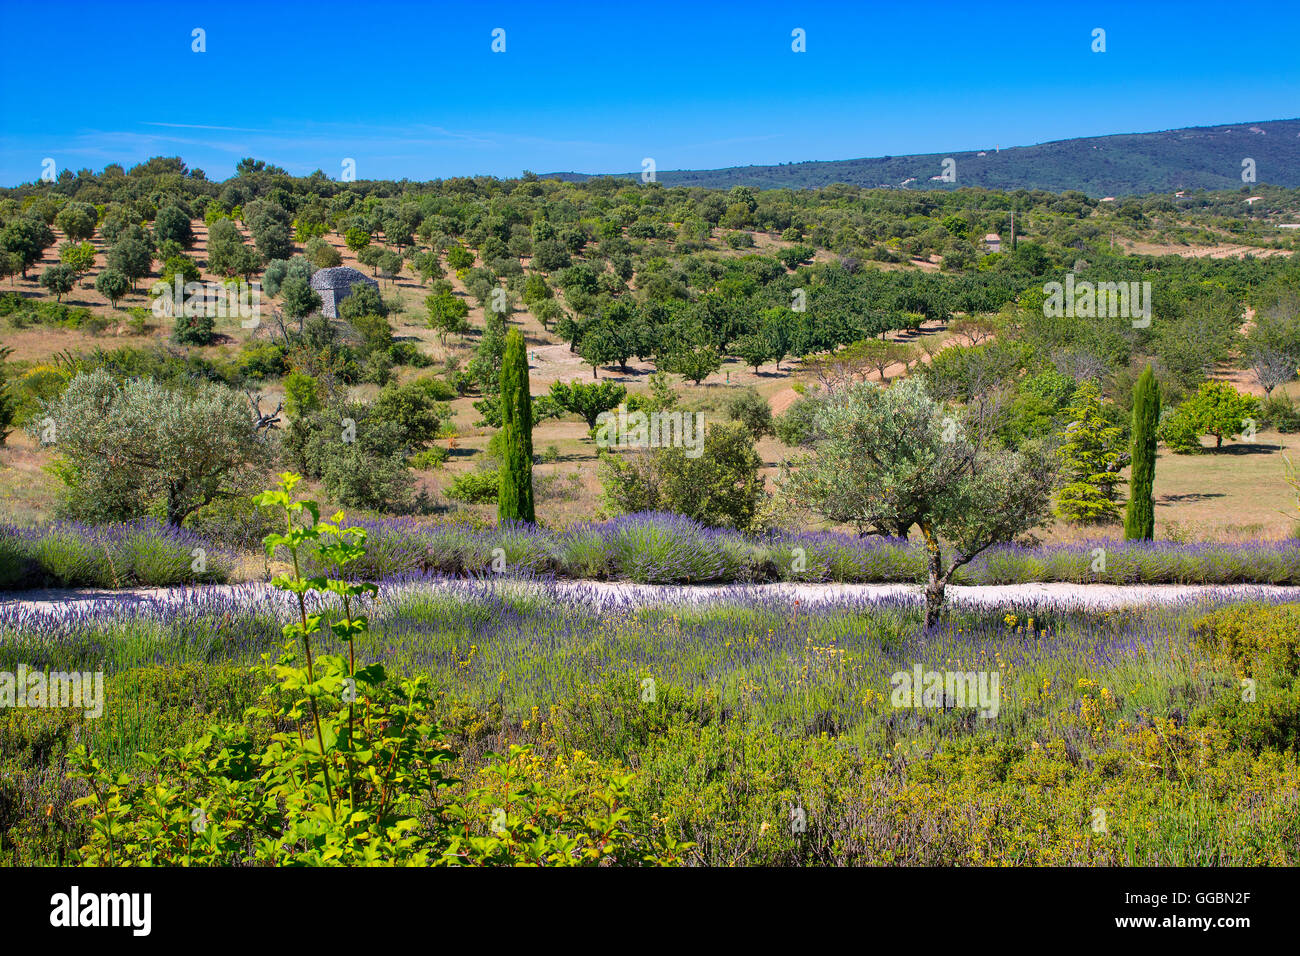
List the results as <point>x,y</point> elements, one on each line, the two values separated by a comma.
<point>1200,157</point>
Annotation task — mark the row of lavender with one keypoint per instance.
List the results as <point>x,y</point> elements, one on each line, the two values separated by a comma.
<point>653,548</point>
<point>664,548</point>
<point>119,555</point>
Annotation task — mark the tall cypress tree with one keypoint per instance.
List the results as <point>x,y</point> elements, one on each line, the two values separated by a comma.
<point>515,502</point>
<point>1140,516</point>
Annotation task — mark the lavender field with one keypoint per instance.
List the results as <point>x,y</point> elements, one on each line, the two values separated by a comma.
<point>652,548</point>
<point>728,717</point>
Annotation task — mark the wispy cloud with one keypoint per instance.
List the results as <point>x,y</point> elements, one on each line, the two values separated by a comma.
<point>229,129</point>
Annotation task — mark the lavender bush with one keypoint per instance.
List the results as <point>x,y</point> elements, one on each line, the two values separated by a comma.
<point>125,554</point>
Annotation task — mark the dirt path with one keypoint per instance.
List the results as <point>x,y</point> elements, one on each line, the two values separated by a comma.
<point>60,602</point>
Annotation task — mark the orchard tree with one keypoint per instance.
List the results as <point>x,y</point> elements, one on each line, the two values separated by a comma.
<point>600,345</point>
<point>224,242</point>
<point>1222,411</point>
<point>536,290</point>
<point>246,261</point>
<point>77,221</point>
<point>172,224</point>
<point>549,312</point>
<point>428,265</point>
<point>356,238</point>
<point>1272,345</point>
<point>79,257</point>
<point>881,354</point>
<point>888,460</point>
<point>390,264</point>
<point>298,298</point>
<point>448,315</point>
<point>458,257</point>
<point>369,256</point>
<point>10,265</point>
<point>278,270</point>
<point>270,225</point>
<point>132,257</point>
<point>59,279</point>
<point>8,401</point>
<point>694,365</point>
<point>588,400</point>
<point>27,238</point>
<point>112,285</point>
<point>752,349</point>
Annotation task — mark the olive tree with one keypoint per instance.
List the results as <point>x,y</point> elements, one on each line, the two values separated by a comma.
<point>888,460</point>
<point>129,444</point>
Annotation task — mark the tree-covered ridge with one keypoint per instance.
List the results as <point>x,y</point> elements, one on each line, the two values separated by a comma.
<point>1200,157</point>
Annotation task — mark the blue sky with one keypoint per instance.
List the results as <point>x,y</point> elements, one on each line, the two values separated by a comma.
<point>412,89</point>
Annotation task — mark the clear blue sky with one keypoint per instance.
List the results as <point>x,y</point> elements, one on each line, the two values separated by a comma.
<point>412,89</point>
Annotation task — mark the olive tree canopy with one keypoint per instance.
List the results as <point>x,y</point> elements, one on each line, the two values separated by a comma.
<point>129,444</point>
<point>887,460</point>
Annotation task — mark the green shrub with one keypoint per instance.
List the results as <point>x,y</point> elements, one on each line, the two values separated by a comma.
<point>475,487</point>
<point>193,330</point>
<point>751,410</point>
<point>1280,413</point>
<point>1262,645</point>
<point>1180,430</point>
<point>430,458</point>
<point>1258,640</point>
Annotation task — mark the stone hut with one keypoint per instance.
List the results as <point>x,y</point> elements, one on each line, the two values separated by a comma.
<point>335,284</point>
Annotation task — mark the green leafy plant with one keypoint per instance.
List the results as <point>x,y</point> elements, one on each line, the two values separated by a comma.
<point>339,763</point>
<point>344,778</point>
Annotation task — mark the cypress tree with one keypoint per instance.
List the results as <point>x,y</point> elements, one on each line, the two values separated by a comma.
<point>1140,516</point>
<point>515,502</point>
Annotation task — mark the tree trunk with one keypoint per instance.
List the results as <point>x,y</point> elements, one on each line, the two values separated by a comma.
<point>175,515</point>
<point>936,580</point>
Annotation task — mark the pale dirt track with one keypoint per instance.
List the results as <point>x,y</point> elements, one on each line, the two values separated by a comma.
<point>57,602</point>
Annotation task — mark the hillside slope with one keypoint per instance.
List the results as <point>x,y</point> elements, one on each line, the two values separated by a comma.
<point>1202,157</point>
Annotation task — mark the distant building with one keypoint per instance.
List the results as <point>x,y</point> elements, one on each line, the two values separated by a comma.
<point>1107,198</point>
<point>1253,199</point>
<point>993,242</point>
<point>335,284</point>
